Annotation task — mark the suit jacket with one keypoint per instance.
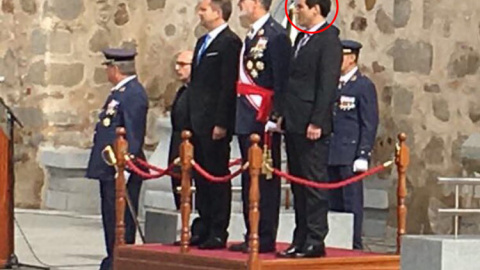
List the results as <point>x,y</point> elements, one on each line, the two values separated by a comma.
<point>179,111</point>
<point>126,107</point>
<point>212,90</point>
<point>355,121</point>
<point>266,60</point>
<point>313,82</point>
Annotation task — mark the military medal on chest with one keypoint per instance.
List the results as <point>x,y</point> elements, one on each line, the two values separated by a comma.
<point>346,103</point>
<point>106,121</point>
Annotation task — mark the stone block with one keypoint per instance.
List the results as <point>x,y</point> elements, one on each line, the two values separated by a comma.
<point>471,147</point>
<point>67,10</point>
<point>60,42</point>
<point>375,198</point>
<point>39,42</point>
<point>56,199</point>
<point>67,75</point>
<point>64,157</point>
<point>440,252</point>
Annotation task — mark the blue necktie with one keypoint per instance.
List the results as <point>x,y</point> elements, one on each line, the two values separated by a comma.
<point>203,48</point>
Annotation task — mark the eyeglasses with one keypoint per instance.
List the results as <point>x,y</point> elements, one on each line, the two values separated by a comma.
<point>180,63</point>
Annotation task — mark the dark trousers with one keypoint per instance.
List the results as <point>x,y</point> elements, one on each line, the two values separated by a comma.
<point>173,153</point>
<point>308,159</point>
<point>269,193</point>
<point>213,199</point>
<point>107,195</point>
<point>348,199</point>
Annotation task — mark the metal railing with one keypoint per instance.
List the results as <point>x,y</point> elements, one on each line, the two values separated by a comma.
<point>457,211</point>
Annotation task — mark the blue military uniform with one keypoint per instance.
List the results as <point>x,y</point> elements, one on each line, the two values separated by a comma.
<point>126,106</point>
<point>355,124</point>
<point>264,63</point>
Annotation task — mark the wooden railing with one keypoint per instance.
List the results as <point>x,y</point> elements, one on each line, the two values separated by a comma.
<point>255,158</point>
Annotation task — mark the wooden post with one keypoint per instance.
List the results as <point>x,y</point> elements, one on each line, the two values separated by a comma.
<point>120,148</point>
<point>6,200</point>
<point>255,160</point>
<point>402,160</point>
<point>186,157</point>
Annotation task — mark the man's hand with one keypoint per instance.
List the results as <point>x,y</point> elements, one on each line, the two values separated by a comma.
<point>360,165</point>
<point>313,132</point>
<point>218,133</point>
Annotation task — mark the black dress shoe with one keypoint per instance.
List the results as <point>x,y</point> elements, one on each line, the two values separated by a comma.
<point>241,247</point>
<point>194,241</point>
<point>312,251</point>
<point>290,252</point>
<point>262,249</point>
<point>213,243</point>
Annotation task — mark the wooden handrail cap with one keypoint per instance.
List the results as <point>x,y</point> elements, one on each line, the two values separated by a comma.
<point>186,134</point>
<point>121,131</point>
<point>255,138</point>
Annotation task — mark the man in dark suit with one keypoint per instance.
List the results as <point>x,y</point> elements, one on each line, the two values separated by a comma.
<point>263,76</point>
<point>355,124</point>
<point>211,104</point>
<point>126,106</point>
<point>309,98</point>
<point>179,115</point>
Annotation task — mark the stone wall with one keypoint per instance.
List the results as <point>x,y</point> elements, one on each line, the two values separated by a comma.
<point>423,56</point>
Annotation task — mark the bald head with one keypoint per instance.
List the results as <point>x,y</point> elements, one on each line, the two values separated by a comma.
<point>183,65</point>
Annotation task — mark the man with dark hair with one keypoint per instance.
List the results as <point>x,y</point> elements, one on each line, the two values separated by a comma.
<point>325,6</point>
<point>262,80</point>
<point>211,105</point>
<point>126,106</point>
<point>225,7</point>
<point>309,98</point>
<point>355,124</point>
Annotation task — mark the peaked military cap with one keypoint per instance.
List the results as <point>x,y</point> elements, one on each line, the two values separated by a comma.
<point>351,46</point>
<point>118,55</point>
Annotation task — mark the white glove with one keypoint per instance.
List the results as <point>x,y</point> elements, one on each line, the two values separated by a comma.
<point>360,165</point>
<point>127,176</point>
<point>270,126</point>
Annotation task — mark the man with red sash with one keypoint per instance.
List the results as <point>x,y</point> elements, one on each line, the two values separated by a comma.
<point>264,62</point>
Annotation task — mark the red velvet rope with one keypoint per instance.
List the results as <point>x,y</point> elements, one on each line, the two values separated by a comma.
<point>153,167</point>
<point>131,165</point>
<point>309,183</point>
<point>217,179</point>
<point>235,162</point>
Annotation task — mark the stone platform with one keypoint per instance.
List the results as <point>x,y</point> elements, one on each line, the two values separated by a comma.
<point>440,252</point>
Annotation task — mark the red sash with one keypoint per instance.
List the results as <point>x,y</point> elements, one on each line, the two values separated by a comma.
<point>263,112</point>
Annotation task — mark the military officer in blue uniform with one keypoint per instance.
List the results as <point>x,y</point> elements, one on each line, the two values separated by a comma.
<point>263,75</point>
<point>126,106</point>
<point>355,124</point>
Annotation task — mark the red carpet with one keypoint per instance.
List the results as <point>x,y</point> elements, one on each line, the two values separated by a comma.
<point>225,254</point>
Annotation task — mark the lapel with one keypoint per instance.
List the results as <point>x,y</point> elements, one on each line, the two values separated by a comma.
<point>254,41</point>
<point>213,45</point>
<point>347,88</point>
<point>177,96</point>
<point>310,41</point>
<point>352,81</point>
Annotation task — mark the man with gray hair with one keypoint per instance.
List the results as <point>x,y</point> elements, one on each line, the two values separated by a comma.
<point>263,76</point>
<point>127,107</point>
